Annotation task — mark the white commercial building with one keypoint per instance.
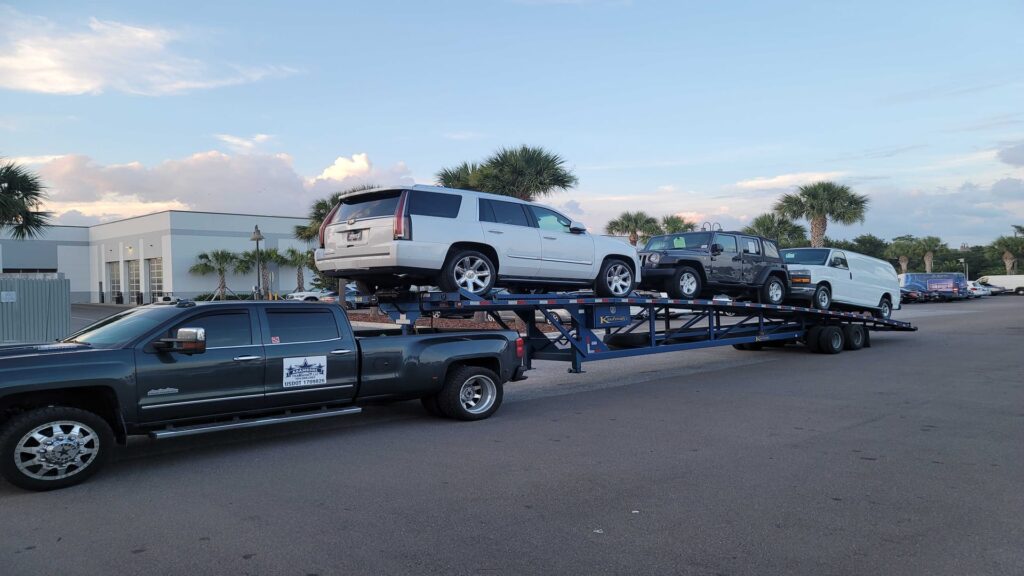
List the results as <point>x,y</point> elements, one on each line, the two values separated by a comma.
<point>149,256</point>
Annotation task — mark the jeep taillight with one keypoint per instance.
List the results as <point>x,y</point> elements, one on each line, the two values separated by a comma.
<point>403,227</point>
<point>327,222</point>
<point>520,348</point>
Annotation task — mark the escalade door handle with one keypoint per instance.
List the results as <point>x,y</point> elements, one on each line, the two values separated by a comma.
<point>247,358</point>
<point>550,238</point>
<point>495,231</point>
<point>341,351</point>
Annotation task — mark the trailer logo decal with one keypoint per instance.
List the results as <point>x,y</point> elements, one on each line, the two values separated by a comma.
<point>305,371</point>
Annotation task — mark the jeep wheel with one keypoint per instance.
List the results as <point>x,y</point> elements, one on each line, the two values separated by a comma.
<point>53,447</point>
<point>822,297</point>
<point>685,284</point>
<point>615,279</point>
<point>470,393</point>
<point>773,291</point>
<point>468,270</point>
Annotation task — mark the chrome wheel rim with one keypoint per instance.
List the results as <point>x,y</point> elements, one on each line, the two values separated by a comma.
<point>886,310</point>
<point>688,284</point>
<point>775,292</point>
<point>823,299</point>
<point>56,450</point>
<point>619,279</point>
<point>472,273</point>
<point>477,394</point>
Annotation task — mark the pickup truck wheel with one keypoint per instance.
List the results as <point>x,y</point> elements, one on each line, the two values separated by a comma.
<point>615,280</point>
<point>773,291</point>
<point>822,297</point>
<point>685,284</point>
<point>53,447</point>
<point>469,270</point>
<point>470,393</point>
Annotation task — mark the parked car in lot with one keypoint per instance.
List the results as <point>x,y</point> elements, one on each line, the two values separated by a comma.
<point>942,286</point>
<point>977,290</point>
<point>693,264</point>
<point>186,368</point>
<point>993,289</point>
<point>312,295</point>
<point>459,239</point>
<point>1009,283</point>
<point>844,279</point>
<point>909,296</point>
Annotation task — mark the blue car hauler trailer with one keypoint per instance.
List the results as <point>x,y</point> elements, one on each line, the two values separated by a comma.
<point>607,328</point>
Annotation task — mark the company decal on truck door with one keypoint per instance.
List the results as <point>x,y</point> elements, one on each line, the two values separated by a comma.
<point>305,371</point>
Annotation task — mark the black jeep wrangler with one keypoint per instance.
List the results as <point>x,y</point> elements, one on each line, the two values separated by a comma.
<point>691,264</point>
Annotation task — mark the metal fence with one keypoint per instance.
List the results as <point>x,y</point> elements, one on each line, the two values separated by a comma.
<point>34,307</point>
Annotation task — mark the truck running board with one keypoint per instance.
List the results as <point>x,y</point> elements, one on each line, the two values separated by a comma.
<point>266,421</point>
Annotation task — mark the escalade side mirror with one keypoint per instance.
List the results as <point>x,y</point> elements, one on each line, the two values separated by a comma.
<point>577,227</point>
<point>186,341</point>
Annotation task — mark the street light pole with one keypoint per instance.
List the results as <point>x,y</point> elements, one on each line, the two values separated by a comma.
<point>256,237</point>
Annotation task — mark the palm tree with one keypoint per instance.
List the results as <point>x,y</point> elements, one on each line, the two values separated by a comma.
<point>320,209</point>
<point>1009,247</point>
<point>901,249</point>
<point>526,172</point>
<point>820,202</point>
<point>215,262</point>
<point>673,224</point>
<point>636,225</point>
<point>785,232</point>
<point>298,260</point>
<point>927,247</point>
<point>21,196</point>
<point>247,260</point>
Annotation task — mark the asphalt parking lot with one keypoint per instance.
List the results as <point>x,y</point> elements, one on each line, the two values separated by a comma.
<point>904,458</point>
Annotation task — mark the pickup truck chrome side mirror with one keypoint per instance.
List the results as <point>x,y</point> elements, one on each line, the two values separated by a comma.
<point>186,341</point>
<point>577,227</point>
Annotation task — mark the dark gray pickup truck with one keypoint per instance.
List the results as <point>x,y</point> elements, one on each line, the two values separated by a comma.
<point>185,368</point>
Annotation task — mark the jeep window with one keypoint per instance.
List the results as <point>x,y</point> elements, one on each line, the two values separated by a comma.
<point>223,329</point>
<point>287,326</point>
<point>809,256</point>
<point>839,261</point>
<point>374,205</point>
<point>434,204</point>
<point>499,212</point>
<point>750,246</point>
<point>121,329</point>
<point>689,240</point>
<point>550,220</point>
<point>727,241</point>
<point>770,250</point>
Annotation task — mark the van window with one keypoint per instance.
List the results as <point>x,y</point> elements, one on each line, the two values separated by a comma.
<point>373,205</point>
<point>728,242</point>
<point>434,204</point>
<point>499,212</point>
<point>839,261</point>
<point>550,220</point>
<point>770,250</point>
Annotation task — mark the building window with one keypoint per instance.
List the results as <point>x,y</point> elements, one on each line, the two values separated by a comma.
<point>156,277</point>
<point>133,279</point>
<point>114,273</point>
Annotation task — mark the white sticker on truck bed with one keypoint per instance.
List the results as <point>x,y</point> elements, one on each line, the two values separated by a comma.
<point>305,371</point>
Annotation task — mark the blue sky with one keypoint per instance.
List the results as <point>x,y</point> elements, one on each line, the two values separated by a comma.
<point>710,110</point>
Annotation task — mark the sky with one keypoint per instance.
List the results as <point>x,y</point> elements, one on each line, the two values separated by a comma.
<point>709,110</point>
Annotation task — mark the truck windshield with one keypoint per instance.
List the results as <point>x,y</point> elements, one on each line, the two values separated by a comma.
<point>809,256</point>
<point>120,329</point>
<point>373,205</point>
<point>690,240</point>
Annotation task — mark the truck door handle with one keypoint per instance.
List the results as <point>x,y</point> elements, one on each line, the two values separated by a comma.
<point>247,358</point>
<point>550,238</point>
<point>495,231</point>
<point>341,351</point>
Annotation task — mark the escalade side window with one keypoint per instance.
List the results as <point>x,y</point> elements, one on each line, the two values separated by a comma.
<point>223,329</point>
<point>550,220</point>
<point>287,326</point>
<point>499,212</point>
<point>434,204</point>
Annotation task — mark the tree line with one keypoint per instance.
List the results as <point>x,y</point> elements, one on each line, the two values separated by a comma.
<point>223,262</point>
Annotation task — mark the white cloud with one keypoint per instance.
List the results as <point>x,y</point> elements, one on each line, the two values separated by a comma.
<point>30,160</point>
<point>38,56</point>
<point>786,180</point>
<point>242,144</point>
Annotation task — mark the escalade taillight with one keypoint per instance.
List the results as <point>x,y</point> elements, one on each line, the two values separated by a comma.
<point>327,222</point>
<point>403,226</point>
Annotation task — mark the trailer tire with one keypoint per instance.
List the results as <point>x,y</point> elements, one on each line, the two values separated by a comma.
<point>470,393</point>
<point>811,338</point>
<point>93,443</point>
<point>831,340</point>
<point>854,336</point>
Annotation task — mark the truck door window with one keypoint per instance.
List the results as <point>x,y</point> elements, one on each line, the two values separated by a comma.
<point>288,326</point>
<point>223,329</point>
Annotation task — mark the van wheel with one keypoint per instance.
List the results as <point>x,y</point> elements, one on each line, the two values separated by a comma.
<point>468,270</point>
<point>470,393</point>
<point>685,284</point>
<point>854,336</point>
<point>53,447</point>
<point>822,297</point>
<point>615,280</point>
<point>830,340</point>
<point>773,291</point>
<point>884,310</point>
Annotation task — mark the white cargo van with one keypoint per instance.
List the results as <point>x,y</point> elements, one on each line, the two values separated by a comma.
<point>832,278</point>
<point>1013,283</point>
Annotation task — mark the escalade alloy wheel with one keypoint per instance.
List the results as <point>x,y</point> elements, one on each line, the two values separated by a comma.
<point>53,447</point>
<point>468,270</point>
<point>619,279</point>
